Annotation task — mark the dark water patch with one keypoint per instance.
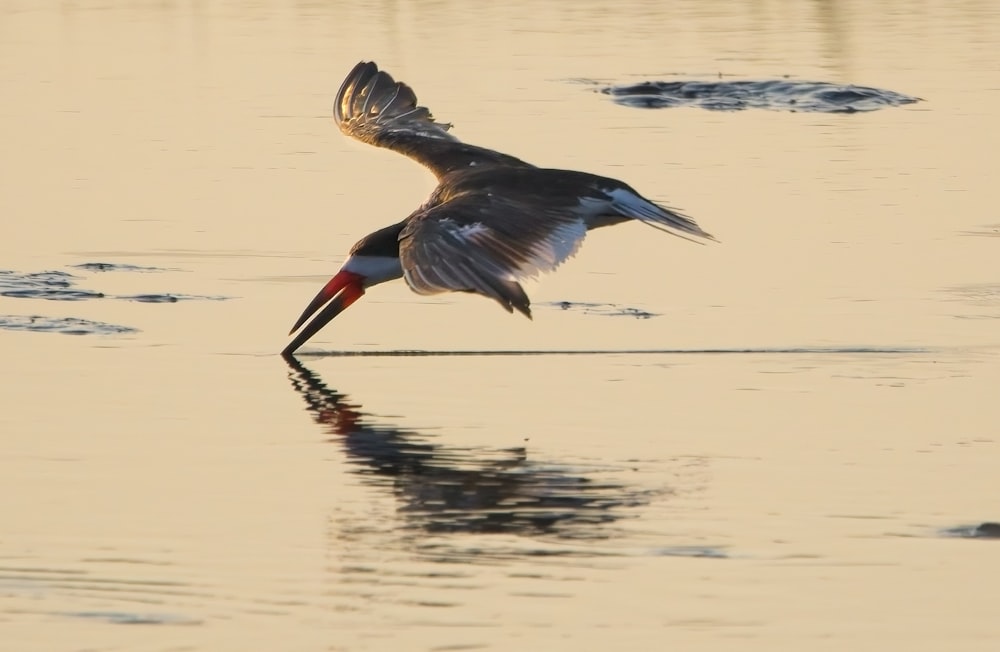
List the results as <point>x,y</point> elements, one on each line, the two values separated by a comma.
<point>691,551</point>
<point>769,94</point>
<point>605,309</point>
<point>984,530</point>
<point>120,267</point>
<point>61,286</point>
<point>51,279</point>
<point>169,298</point>
<point>64,325</point>
<point>52,286</point>
<point>132,618</point>
<point>53,294</point>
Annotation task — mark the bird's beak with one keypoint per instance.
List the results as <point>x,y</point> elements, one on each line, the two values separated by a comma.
<point>344,289</point>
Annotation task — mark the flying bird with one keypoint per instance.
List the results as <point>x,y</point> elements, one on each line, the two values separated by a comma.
<point>492,220</point>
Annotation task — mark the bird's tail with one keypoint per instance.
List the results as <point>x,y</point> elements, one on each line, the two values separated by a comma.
<point>628,203</point>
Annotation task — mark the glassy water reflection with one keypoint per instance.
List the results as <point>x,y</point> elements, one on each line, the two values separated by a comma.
<point>444,488</point>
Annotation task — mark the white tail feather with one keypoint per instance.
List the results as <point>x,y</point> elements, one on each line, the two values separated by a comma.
<point>628,203</point>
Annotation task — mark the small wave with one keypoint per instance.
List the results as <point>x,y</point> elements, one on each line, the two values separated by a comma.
<point>132,618</point>
<point>984,530</point>
<point>169,298</point>
<point>987,230</point>
<point>119,267</point>
<point>61,286</point>
<point>606,309</point>
<point>64,325</point>
<point>52,294</point>
<point>51,285</point>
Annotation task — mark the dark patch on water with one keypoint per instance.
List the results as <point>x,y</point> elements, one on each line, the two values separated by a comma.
<point>52,294</point>
<point>64,325</point>
<point>119,267</point>
<point>606,309</point>
<point>54,279</point>
<point>770,94</point>
<point>131,618</point>
<point>52,286</point>
<point>169,298</point>
<point>691,551</point>
<point>984,530</point>
<point>62,286</point>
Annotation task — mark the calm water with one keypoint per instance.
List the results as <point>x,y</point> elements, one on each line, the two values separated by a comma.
<point>784,461</point>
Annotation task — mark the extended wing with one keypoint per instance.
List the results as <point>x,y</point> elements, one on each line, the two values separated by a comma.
<point>374,108</point>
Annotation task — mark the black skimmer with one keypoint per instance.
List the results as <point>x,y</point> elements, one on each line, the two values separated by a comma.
<point>492,220</point>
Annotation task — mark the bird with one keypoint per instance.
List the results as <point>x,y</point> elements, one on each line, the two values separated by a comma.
<point>492,221</point>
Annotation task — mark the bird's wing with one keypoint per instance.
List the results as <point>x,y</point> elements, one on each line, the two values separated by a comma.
<point>485,244</point>
<point>376,109</point>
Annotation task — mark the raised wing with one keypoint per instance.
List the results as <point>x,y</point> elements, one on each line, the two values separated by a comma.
<point>376,109</point>
<point>484,244</point>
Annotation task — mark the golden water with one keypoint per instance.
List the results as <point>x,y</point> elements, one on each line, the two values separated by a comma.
<point>778,477</point>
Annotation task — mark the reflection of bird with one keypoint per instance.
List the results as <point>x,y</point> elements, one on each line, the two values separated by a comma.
<point>457,489</point>
<point>492,220</point>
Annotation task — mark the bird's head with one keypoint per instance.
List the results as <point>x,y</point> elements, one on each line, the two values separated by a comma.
<point>373,260</point>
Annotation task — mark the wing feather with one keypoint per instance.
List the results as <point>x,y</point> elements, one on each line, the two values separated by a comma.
<point>485,245</point>
<point>374,108</point>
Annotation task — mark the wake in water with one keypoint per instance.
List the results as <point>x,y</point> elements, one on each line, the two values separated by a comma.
<point>859,350</point>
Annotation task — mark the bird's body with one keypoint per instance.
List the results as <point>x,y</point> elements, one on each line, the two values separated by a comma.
<point>491,221</point>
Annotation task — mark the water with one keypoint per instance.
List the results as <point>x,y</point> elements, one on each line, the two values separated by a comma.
<point>784,440</point>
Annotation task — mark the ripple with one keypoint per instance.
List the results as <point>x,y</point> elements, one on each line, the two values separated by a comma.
<point>699,552</point>
<point>984,530</point>
<point>986,230</point>
<point>44,587</point>
<point>120,267</point>
<point>130,618</point>
<point>50,285</point>
<point>393,353</point>
<point>62,286</point>
<point>52,294</point>
<point>770,94</point>
<point>985,297</point>
<point>64,325</point>
<point>605,309</point>
<point>169,298</point>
